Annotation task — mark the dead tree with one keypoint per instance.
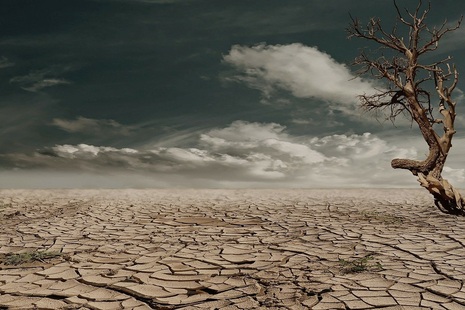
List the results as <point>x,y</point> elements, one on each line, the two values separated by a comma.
<point>422,91</point>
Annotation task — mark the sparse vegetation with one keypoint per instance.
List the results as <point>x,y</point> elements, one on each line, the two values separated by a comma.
<point>382,217</point>
<point>360,264</point>
<point>29,257</point>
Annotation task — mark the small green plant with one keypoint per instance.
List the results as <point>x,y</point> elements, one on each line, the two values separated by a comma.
<point>360,264</point>
<point>28,257</point>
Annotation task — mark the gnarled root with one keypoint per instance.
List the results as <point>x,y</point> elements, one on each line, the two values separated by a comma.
<point>446,198</point>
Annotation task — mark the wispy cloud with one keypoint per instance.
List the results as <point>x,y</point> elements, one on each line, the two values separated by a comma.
<point>93,126</point>
<point>242,153</point>
<point>304,71</point>
<point>38,80</point>
<point>5,63</point>
<point>37,86</point>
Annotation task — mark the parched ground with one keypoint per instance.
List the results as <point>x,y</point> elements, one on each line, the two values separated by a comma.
<point>229,249</point>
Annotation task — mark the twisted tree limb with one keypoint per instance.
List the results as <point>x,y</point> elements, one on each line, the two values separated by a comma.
<point>410,88</point>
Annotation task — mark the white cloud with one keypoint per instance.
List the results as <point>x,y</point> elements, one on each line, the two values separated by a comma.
<point>240,131</point>
<point>84,150</point>
<point>244,154</point>
<point>40,79</point>
<point>304,71</point>
<point>102,127</point>
<point>360,147</point>
<point>243,138</point>
<point>35,87</point>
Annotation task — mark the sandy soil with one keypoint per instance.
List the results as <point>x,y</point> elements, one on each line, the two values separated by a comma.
<point>229,249</point>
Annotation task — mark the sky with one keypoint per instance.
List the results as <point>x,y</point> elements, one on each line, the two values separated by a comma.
<point>202,94</point>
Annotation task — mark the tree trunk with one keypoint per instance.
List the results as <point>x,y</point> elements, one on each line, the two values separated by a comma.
<point>429,171</point>
<point>446,197</point>
<point>406,77</point>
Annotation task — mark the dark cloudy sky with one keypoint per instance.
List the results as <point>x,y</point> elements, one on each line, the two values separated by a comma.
<point>200,93</point>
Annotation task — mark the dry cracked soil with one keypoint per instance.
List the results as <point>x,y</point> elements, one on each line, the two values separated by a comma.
<point>229,249</point>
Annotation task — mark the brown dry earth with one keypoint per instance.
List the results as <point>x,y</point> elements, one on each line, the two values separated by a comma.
<point>230,249</point>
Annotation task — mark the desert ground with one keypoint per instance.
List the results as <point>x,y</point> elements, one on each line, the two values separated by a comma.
<point>229,249</point>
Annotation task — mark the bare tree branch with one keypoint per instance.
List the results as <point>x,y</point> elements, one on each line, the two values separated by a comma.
<point>408,92</point>
<point>436,35</point>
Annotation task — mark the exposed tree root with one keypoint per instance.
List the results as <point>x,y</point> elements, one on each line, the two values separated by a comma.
<point>446,197</point>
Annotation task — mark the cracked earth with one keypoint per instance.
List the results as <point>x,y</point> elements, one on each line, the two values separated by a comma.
<point>230,249</point>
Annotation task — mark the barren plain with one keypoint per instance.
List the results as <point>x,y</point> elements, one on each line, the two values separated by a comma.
<point>229,249</point>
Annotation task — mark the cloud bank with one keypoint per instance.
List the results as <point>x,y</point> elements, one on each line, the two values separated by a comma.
<point>304,71</point>
<point>243,154</point>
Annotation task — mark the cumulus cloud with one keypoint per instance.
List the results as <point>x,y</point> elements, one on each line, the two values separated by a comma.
<point>93,126</point>
<point>243,138</point>
<point>304,71</point>
<point>40,79</point>
<point>86,151</point>
<point>360,147</point>
<point>241,154</point>
<point>363,160</point>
